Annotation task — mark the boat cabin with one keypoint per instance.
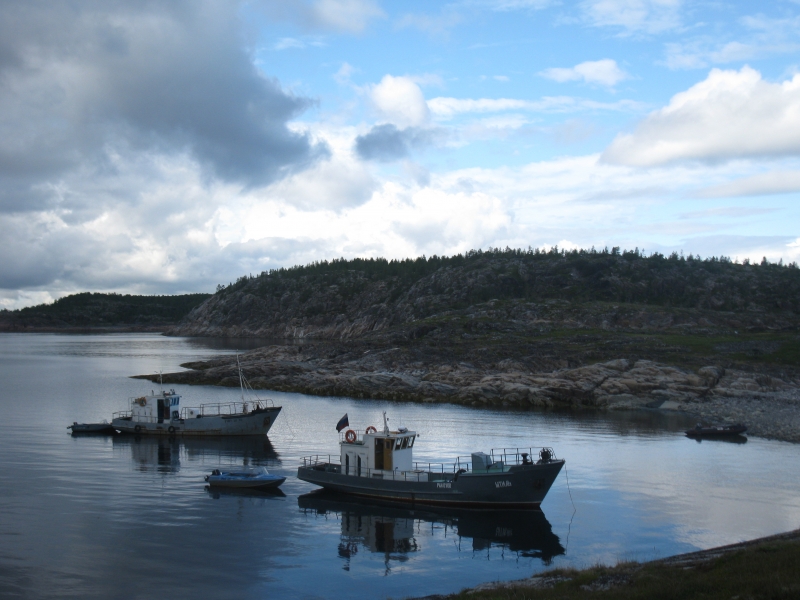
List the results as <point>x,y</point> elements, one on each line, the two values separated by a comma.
<point>376,453</point>
<point>156,408</point>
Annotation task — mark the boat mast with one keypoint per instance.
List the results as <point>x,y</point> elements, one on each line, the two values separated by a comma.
<point>241,381</point>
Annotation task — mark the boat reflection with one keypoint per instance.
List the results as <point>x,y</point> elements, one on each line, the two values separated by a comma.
<point>728,439</point>
<point>396,530</point>
<point>167,454</point>
<point>271,493</point>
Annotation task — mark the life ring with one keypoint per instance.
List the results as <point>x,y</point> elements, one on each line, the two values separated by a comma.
<point>371,429</point>
<point>138,428</point>
<point>350,436</point>
<point>171,429</point>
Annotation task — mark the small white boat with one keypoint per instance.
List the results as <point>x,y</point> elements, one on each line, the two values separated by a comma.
<point>162,414</point>
<point>252,479</point>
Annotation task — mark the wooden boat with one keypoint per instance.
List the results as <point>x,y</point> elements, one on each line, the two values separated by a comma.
<point>252,479</point>
<point>101,428</point>
<point>716,430</point>
<point>378,464</point>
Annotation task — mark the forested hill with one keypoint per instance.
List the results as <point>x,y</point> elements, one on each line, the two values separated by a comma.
<point>88,311</point>
<point>351,298</point>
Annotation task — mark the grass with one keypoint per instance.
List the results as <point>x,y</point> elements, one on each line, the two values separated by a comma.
<point>769,570</point>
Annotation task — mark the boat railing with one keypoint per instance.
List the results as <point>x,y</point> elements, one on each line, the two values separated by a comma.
<point>217,409</point>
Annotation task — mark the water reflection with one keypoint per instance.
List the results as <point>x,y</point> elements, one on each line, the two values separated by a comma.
<point>165,455</point>
<point>396,530</point>
<point>730,439</point>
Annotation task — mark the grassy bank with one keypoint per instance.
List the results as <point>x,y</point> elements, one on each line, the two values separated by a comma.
<point>767,568</point>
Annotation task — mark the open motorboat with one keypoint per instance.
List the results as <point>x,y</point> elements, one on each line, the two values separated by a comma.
<point>253,479</point>
<point>378,464</point>
<point>162,414</point>
<point>101,428</point>
<point>716,430</point>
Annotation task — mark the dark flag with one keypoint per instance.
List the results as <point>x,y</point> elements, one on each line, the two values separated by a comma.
<point>343,422</point>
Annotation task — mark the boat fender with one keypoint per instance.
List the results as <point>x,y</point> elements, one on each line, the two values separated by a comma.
<point>370,429</point>
<point>138,428</point>
<point>350,436</point>
<point>171,429</point>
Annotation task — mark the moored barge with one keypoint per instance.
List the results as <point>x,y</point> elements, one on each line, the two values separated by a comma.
<point>379,464</point>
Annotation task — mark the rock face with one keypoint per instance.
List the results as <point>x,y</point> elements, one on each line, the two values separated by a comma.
<point>392,374</point>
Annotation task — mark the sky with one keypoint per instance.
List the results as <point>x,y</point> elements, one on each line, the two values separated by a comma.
<point>162,148</point>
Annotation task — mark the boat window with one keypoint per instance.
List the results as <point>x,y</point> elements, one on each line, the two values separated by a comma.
<point>411,441</point>
<point>398,444</point>
<point>405,443</point>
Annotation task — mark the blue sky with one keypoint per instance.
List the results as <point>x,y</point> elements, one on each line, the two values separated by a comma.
<point>165,149</point>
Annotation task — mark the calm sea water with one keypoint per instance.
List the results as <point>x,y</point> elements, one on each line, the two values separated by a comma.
<point>117,517</point>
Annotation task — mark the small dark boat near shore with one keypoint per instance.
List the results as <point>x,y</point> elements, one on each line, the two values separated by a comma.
<point>711,431</point>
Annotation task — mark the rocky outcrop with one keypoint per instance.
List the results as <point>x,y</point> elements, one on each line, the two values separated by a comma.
<point>392,374</point>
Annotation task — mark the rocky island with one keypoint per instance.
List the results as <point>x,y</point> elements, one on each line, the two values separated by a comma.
<point>523,328</point>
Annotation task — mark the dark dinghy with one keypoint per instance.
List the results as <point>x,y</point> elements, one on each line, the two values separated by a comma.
<point>711,431</point>
<point>379,465</point>
<point>99,428</point>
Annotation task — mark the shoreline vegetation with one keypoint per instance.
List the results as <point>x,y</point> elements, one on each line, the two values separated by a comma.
<point>89,312</point>
<point>767,567</point>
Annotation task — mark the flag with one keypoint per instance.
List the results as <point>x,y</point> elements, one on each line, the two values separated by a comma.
<point>343,422</point>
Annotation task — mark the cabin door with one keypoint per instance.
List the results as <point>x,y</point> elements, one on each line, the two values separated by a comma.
<point>379,453</point>
<point>387,455</point>
<point>161,410</point>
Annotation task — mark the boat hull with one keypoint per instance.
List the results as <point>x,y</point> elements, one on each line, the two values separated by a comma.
<point>253,423</point>
<point>243,484</point>
<point>523,486</point>
<point>716,431</point>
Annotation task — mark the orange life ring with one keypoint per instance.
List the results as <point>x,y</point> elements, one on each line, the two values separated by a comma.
<point>350,436</point>
<point>370,429</point>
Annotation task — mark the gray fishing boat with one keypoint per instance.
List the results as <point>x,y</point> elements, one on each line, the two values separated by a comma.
<point>379,464</point>
<point>162,414</point>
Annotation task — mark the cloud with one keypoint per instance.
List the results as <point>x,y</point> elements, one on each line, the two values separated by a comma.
<point>447,108</point>
<point>763,184</point>
<point>633,16</point>
<point>603,72</point>
<point>731,114</point>
<point>85,81</point>
<point>400,101</point>
<point>387,142</point>
<point>346,16</point>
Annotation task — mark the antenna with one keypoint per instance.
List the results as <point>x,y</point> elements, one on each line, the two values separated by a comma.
<point>385,424</point>
<point>161,381</point>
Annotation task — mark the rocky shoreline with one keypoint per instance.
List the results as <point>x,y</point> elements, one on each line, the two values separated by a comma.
<point>768,404</point>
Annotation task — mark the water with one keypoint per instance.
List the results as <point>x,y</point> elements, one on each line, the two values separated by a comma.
<point>103,517</point>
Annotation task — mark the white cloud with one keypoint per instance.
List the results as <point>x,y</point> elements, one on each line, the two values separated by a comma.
<point>345,15</point>
<point>447,108</point>
<point>604,72</point>
<point>731,114</point>
<point>633,16</point>
<point>400,101</point>
<point>775,182</point>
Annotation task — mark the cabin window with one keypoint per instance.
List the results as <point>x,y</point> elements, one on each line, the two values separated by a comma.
<point>405,443</point>
<point>411,441</point>
<point>398,444</point>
